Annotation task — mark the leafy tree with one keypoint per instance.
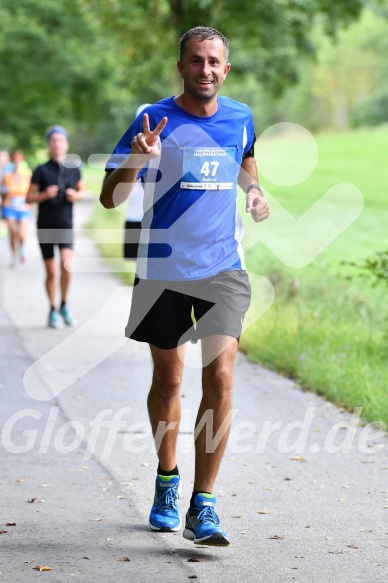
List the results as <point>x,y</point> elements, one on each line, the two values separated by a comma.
<point>78,62</point>
<point>347,83</point>
<point>52,67</point>
<point>267,36</point>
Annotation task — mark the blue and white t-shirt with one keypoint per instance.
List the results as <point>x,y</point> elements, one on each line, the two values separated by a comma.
<point>191,227</point>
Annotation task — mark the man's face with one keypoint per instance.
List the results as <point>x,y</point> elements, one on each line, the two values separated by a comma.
<point>57,146</point>
<point>203,68</point>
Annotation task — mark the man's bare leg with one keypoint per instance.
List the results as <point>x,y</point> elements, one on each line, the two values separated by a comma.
<point>165,412</point>
<point>66,271</point>
<point>216,405</point>
<point>51,284</point>
<point>163,402</point>
<point>202,524</point>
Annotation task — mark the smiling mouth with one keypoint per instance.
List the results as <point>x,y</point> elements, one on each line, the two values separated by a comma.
<point>204,82</point>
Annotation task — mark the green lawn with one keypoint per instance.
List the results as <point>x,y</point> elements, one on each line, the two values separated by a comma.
<point>324,330</point>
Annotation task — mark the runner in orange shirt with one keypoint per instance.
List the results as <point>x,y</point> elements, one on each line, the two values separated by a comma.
<point>16,211</point>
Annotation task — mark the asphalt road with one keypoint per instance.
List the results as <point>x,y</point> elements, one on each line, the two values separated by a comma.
<point>302,491</point>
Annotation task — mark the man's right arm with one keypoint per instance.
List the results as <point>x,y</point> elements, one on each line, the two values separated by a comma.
<point>118,185</point>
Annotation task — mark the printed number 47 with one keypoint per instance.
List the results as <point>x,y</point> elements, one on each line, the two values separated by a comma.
<point>206,168</point>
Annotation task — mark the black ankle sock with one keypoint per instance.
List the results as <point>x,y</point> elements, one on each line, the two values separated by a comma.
<point>63,304</point>
<point>195,492</point>
<point>52,309</point>
<point>173,472</point>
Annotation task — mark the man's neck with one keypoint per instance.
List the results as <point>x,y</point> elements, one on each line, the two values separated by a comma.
<point>58,160</point>
<point>195,107</point>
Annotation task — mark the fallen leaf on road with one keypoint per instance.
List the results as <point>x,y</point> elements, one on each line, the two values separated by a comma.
<point>353,546</point>
<point>3,531</point>
<point>45,485</point>
<point>120,497</point>
<point>193,560</point>
<point>339,552</point>
<point>10,524</point>
<point>365,530</point>
<point>287,479</point>
<point>124,560</point>
<point>42,568</point>
<point>192,577</point>
<point>264,511</point>
<point>31,501</point>
<point>19,481</point>
<point>145,464</point>
<point>329,538</point>
<point>298,458</point>
<point>237,516</point>
<point>95,519</point>
<point>86,558</point>
<point>342,500</point>
<point>276,537</point>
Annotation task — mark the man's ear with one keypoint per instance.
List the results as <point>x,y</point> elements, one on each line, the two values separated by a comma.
<point>179,67</point>
<point>227,69</point>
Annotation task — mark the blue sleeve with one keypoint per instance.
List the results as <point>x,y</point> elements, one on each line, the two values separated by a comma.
<point>251,138</point>
<point>123,147</point>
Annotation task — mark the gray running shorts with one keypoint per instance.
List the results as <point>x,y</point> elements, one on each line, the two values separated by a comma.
<point>169,313</point>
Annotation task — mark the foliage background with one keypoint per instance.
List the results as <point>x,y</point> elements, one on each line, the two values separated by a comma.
<point>88,64</point>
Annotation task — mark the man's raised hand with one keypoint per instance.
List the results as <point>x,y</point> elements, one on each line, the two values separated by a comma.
<point>147,141</point>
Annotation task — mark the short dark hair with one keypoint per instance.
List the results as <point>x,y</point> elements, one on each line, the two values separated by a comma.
<point>203,33</point>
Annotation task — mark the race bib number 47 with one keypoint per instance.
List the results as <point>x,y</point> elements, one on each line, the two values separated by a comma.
<point>208,168</point>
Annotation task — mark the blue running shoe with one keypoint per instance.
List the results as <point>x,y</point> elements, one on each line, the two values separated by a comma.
<point>202,523</point>
<point>165,515</point>
<point>67,316</point>
<point>53,320</point>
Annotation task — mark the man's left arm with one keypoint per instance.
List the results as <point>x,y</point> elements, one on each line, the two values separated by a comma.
<point>249,182</point>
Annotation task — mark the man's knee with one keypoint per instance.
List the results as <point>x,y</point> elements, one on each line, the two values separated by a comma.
<point>166,384</point>
<point>51,270</point>
<point>218,378</point>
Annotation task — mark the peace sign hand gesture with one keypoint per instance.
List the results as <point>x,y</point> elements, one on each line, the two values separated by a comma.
<point>147,141</point>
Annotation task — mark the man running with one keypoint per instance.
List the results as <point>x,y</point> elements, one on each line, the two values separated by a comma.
<point>56,188</point>
<point>190,151</point>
